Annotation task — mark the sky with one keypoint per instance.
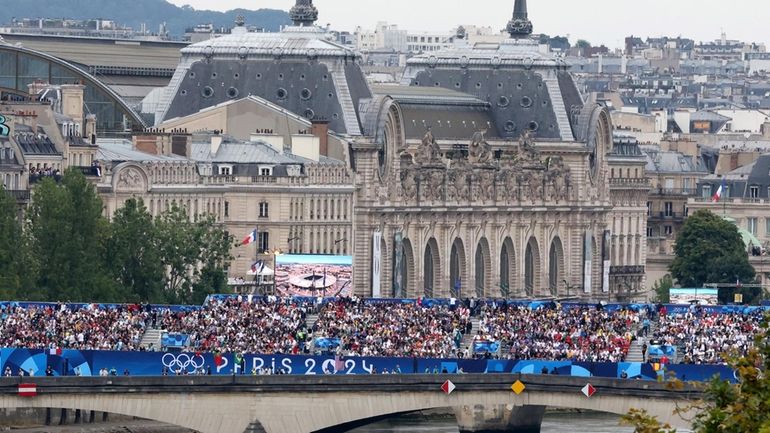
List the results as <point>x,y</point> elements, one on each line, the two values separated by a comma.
<point>598,21</point>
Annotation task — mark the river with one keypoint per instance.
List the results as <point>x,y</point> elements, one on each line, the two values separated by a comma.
<point>553,423</point>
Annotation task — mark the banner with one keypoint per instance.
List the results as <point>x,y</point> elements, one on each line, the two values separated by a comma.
<point>398,265</point>
<point>588,242</point>
<point>606,245</point>
<point>376,264</point>
<point>701,296</point>
<point>91,363</point>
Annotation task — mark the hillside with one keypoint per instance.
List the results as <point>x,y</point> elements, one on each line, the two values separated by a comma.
<point>135,12</point>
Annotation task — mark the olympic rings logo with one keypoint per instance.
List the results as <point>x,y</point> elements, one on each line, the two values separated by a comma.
<point>183,362</point>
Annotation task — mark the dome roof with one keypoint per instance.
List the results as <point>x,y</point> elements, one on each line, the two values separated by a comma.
<point>526,87</point>
<point>300,69</point>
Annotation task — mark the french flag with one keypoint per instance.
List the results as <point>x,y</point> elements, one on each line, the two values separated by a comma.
<point>54,352</point>
<point>720,191</point>
<point>252,237</point>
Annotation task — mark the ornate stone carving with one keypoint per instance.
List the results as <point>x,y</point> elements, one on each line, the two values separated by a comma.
<point>429,152</point>
<point>408,184</point>
<point>479,151</point>
<point>130,179</point>
<point>304,13</point>
<point>520,26</point>
<point>458,189</point>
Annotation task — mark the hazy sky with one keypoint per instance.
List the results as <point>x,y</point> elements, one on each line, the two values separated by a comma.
<point>599,21</point>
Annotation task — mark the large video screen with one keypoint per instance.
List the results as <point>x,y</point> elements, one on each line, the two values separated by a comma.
<point>697,296</point>
<point>314,275</point>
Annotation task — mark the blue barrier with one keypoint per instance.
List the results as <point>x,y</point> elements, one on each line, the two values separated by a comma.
<point>659,351</point>
<point>175,340</point>
<point>327,343</point>
<point>89,363</point>
<point>486,346</point>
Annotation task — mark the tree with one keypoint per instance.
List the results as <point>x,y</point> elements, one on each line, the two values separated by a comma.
<point>17,267</point>
<point>583,44</point>
<point>662,289</point>
<point>709,249</point>
<point>194,254</point>
<point>133,253</point>
<point>68,234</point>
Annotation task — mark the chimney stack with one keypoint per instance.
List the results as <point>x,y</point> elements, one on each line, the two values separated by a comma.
<point>320,128</point>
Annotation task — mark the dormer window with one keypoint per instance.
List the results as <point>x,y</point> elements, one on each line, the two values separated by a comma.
<point>265,171</point>
<point>225,170</point>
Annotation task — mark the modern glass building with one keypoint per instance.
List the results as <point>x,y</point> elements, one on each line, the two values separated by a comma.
<point>20,67</point>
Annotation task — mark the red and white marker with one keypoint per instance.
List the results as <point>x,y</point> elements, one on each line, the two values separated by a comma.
<point>589,390</point>
<point>448,387</point>
<point>27,390</point>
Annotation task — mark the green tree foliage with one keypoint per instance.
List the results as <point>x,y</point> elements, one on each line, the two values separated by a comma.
<point>710,250</point>
<point>85,257</point>
<point>662,289</point>
<point>133,253</point>
<point>728,408</point>
<point>582,44</point>
<point>194,253</point>
<point>67,233</point>
<point>17,268</point>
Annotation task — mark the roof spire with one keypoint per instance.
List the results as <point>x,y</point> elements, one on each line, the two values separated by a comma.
<point>520,26</point>
<point>304,13</point>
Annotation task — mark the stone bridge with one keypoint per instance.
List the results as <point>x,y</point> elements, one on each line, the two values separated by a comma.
<point>305,404</point>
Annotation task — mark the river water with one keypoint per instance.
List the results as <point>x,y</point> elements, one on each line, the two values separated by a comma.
<point>552,423</point>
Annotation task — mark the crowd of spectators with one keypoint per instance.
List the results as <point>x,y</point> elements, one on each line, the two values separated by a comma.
<point>238,326</point>
<point>64,327</point>
<point>577,334</point>
<point>703,338</point>
<point>399,330</point>
<point>364,328</point>
<point>38,174</point>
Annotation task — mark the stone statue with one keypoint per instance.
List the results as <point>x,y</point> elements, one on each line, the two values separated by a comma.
<point>429,151</point>
<point>479,150</point>
<point>527,150</point>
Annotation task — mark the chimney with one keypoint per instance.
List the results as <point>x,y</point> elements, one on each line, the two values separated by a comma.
<point>72,103</point>
<point>320,128</point>
<point>216,143</point>
<point>90,134</point>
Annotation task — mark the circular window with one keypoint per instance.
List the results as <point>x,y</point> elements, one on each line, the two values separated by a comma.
<point>545,103</point>
<point>326,77</point>
<point>281,93</point>
<point>526,102</point>
<point>335,116</point>
<point>236,75</point>
<point>437,84</point>
<point>478,85</point>
<point>519,86</point>
<point>305,94</point>
<point>280,76</point>
<point>503,101</point>
<point>232,93</point>
<point>213,75</point>
<point>207,92</point>
<point>310,114</point>
<point>184,92</point>
<point>457,85</point>
<point>302,77</point>
<point>259,76</point>
<point>510,126</point>
<point>416,83</point>
<point>330,95</point>
<point>499,85</point>
<point>533,126</point>
<point>192,74</point>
